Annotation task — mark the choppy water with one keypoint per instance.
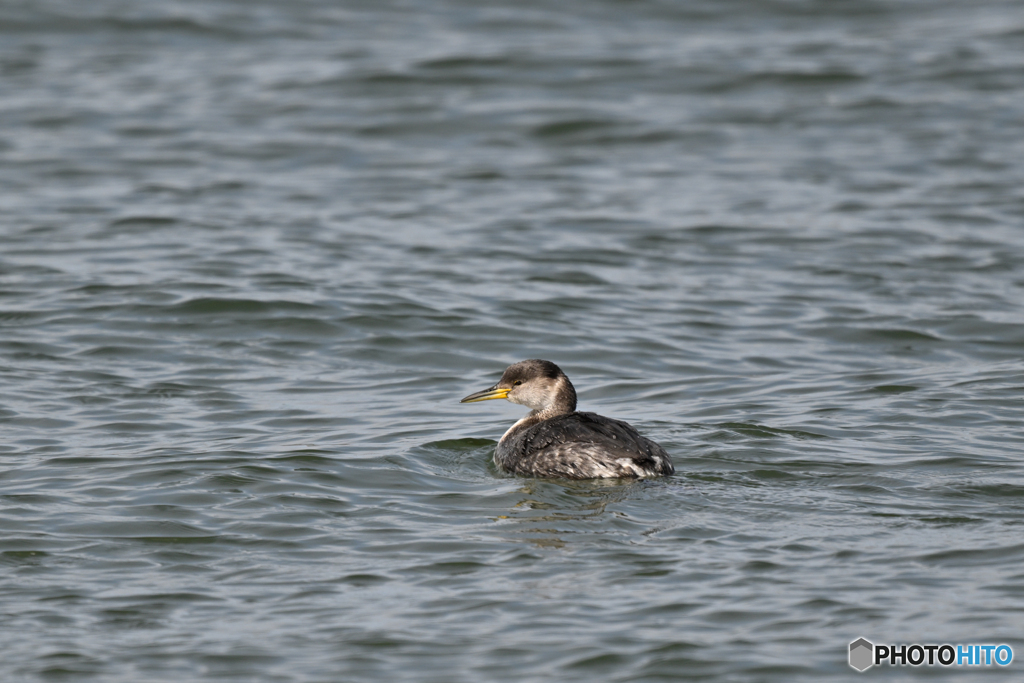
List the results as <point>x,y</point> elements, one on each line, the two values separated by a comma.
<point>253,253</point>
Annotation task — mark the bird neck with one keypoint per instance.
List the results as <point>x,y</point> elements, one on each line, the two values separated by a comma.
<point>563,400</point>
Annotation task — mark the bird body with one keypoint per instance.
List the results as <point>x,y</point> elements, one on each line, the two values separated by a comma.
<point>556,441</point>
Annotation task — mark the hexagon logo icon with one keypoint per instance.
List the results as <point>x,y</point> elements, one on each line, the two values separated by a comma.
<point>862,654</point>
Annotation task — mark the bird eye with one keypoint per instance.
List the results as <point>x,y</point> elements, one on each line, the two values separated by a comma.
<point>517,382</point>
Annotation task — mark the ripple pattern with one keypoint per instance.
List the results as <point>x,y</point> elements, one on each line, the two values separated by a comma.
<point>253,253</point>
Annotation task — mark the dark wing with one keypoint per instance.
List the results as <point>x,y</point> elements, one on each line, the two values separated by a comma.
<point>587,446</point>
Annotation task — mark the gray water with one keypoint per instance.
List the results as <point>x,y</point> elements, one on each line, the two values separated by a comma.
<point>253,253</point>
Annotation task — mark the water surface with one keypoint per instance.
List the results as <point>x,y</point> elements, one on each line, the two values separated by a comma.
<point>253,253</point>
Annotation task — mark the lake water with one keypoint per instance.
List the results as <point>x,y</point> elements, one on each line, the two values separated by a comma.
<point>253,253</point>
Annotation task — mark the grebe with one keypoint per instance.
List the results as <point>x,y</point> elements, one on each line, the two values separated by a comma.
<point>556,441</point>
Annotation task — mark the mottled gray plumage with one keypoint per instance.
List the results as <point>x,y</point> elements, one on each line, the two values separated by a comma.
<point>554,440</point>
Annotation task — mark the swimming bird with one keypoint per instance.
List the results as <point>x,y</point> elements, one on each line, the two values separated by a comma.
<point>556,441</point>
